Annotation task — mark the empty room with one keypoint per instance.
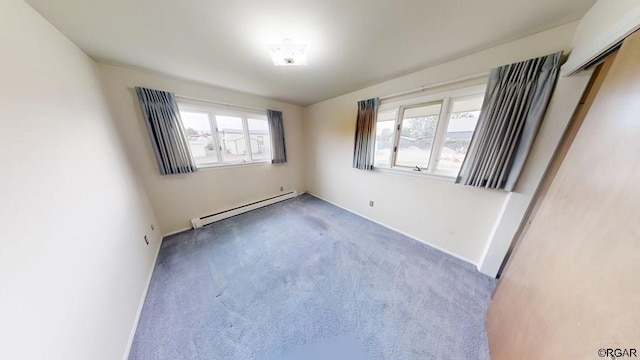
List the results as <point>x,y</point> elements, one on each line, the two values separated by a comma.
<point>319,179</point>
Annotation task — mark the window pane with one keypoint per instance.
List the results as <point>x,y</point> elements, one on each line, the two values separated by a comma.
<point>462,123</point>
<point>416,135</point>
<point>198,130</point>
<point>231,138</point>
<point>260,139</point>
<point>384,137</point>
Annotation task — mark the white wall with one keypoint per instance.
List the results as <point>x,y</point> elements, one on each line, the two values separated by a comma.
<point>178,198</point>
<point>454,218</point>
<point>565,98</point>
<point>73,263</point>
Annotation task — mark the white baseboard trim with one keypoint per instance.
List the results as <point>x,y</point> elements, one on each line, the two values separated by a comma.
<point>144,297</point>
<point>176,232</point>
<point>399,231</point>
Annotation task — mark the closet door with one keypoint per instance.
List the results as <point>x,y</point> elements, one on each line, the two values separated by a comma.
<point>571,290</point>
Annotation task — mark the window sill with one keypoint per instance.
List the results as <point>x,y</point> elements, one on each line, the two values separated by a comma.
<point>422,174</point>
<point>232,165</point>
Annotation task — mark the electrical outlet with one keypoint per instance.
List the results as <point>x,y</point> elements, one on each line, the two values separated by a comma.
<point>371,203</point>
<point>281,188</point>
<point>146,240</point>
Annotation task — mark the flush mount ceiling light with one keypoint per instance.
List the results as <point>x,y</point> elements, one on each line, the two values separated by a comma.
<point>288,54</point>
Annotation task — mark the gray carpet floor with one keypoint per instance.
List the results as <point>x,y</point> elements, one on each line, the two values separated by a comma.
<point>303,279</point>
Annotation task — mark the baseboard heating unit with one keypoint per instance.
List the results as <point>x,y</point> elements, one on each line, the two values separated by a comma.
<point>208,219</point>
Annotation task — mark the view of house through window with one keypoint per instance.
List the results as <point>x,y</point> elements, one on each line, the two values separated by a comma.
<point>430,134</point>
<point>462,123</point>
<point>417,132</point>
<point>260,139</point>
<point>225,137</point>
<point>384,137</point>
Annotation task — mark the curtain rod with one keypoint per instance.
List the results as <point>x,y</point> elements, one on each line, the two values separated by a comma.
<point>221,103</point>
<point>432,86</point>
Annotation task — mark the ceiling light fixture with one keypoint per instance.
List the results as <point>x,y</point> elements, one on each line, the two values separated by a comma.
<point>289,54</point>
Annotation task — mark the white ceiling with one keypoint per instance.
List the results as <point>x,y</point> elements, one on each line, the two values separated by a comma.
<point>352,43</point>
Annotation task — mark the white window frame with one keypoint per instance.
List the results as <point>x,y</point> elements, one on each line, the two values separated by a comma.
<point>446,100</point>
<point>244,115</point>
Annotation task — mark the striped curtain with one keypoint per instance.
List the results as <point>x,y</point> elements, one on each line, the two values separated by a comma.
<point>514,105</point>
<point>365,134</point>
<point>168,138</point>
<point>276,128</point>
